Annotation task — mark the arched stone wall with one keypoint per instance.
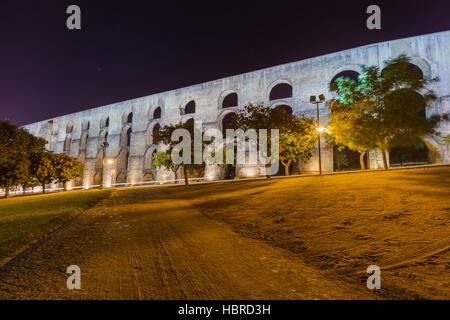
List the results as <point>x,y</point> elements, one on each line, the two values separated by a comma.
<point>307,77</point>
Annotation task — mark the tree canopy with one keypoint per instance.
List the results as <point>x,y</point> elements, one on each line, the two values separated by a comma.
<point>17,147</point>
<point>297,135</point>
<point>384,109</point>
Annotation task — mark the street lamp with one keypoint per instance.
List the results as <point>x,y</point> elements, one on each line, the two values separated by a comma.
<point>314,100</point>
<point>104,146</point>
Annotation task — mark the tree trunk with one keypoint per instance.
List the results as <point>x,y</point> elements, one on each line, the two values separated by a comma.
<point>368,160</point>
<point>286,167</point>
<point>383,155</point>
<point>186,182</point>
<point>6,192</point>
<point>23,189</point>
<point>65,186</point>
<point>43,188</point>
<point>286,170</point>
<point>361,160</point>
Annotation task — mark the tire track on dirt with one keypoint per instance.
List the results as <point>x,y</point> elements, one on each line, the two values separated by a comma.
<point>415,256</point>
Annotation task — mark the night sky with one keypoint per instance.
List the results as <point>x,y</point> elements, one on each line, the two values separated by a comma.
<point>130,49</point>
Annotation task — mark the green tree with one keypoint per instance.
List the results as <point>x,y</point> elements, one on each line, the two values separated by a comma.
<point>16,145</point>
<point>42,168</point>
<point>349,125</point>
<point>341,159</point>
<point>297,140</point>
<point>66,168</point>
<point>445,140</point>
<point>35,147</point>
<point>164,135</point>
<point>162,159</point>
<point>297,137</point>
<point>385,108</point>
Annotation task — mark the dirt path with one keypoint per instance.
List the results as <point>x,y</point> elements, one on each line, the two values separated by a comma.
<point>138,245</point>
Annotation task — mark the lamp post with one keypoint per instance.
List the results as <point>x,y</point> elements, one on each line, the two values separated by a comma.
<point>104,146</point>
<point>314,100</point>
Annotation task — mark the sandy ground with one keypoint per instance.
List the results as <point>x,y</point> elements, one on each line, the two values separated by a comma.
<point>140,245</point>
<point>297,238</point>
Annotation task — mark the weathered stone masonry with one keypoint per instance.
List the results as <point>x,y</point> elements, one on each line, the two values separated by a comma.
<point>130,135</point>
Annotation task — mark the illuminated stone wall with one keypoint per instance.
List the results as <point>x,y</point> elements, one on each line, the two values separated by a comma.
<point>431,53</point>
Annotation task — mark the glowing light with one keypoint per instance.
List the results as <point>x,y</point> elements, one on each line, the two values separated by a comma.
<point>321,129</point>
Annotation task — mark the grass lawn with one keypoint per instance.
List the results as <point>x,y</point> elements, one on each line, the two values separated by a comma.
<point>27,219</point>
<point>396,219</point>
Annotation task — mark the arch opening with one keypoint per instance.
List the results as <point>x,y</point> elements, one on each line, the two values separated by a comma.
<point>230,100</point>
<point>284,108</point>
<point>67,143</point>
<point>122,160</point>
<point>281,91</point>
<point>346,159</point>
<point>407,69</point>
<point>83,141</point>
<point>417,153</point>
<point>190,107</point>
<point>104,122</point>
<point>157,113</point>
<point>148,159</point>
<point>69,128</point>
<point>349,74</point>
<point>129,137</point>
<point>226,122</point>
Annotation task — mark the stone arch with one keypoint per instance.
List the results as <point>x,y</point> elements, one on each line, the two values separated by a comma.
<point>190,107</point>
<point>149,176</point>
<point>122,159</point>
<point>83,141</point>
<point>280,89</point>
<point>416,153</point>
<point>346,68</point>
<point>152,127</point>
<point>413,69</point>
<point>148,158</point>
<point>155,113</point>
<point>99,160</point>
<point>69,127</point>
<point>125,136</point>
<point>224,118</point>
<point>350,74</point>
<point>283,105</point>
<point>127,118</point>
<point>86,125</point>
<point>104,122</point>
<point>434,153</point>
<point>98,178</point>
<point>423,65</point>
<point>121,177</point>
<point>67,143</point>
<point>103,137</point>
<point>228,99</point>
<point>188,120</point>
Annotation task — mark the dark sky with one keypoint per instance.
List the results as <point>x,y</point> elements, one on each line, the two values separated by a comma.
<point>130,49</point>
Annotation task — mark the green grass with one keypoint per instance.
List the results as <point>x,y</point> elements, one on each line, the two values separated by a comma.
<point>27,219</point>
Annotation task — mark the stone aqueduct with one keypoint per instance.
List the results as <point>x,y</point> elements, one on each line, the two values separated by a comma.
<point>128,125</point>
